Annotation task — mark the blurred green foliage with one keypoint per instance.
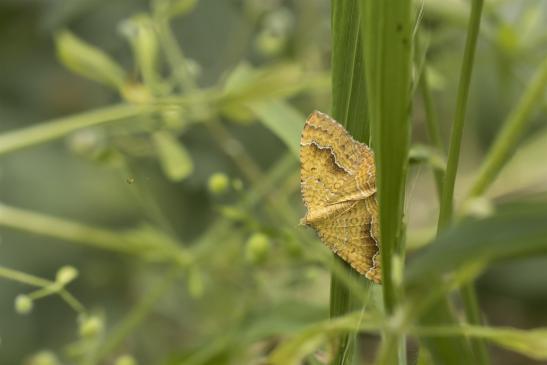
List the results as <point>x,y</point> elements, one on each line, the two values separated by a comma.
<point>149,180</point>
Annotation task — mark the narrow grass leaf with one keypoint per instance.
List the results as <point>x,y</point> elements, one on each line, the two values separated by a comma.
<point>514,231</point>
<point>513,128</point>
<point>531,343</point>
<point>349,109</point>
<point>308,340</point>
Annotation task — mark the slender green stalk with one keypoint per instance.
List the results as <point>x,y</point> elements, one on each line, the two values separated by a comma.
<point>446,209</point>
<point>472,311</point>
<point>78,233</point>
<point>60,127</point>
<point>348,93</point>
<point>432,124</point>
<point>174,55</point>
<point>512,130</point>
<point>447,197</point>
<point>24,278</point>
<point>47,287</point>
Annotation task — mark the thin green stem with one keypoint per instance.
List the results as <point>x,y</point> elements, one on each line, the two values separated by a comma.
<point>174,55</point>
<point>24,278</point>
<point>447,196</point>
<point>47,287</point>
<point>78,233</point>
<point>472,310</point>
<point>446,209</point>
<point>59,127</point>
<point>432,124</point>
<point>511,132</point>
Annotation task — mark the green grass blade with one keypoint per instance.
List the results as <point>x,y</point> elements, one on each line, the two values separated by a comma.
<point>446,209</point>
<point>447,196</point>
<point>387,48</point>
<point>515,231</point>
<point>511,132</point>
<point>531,343</point>
<point>389,101</point>
<point>348,95</point>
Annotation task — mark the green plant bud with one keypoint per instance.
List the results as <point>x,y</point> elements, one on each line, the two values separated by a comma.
<point>218,183</point>
<point>44,358</point>
<point>88,61</point>
<point>174,119</point>
<point>174,158</point>
<point>257,248</point>
<point>91,326</point>
<point>23,304</point>
<point>66,274</point>
<point>269,43</point>
<point>125,360</point>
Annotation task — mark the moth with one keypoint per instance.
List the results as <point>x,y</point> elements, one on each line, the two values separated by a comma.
<point>338,184</point>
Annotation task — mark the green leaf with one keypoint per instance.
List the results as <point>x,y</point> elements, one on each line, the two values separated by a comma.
<point>348,108</point>
<point>531,343</point>
<point>245,85</point>
<point>282,119</point>
<point>175,159</point>
<point>515,231</point>
<point>88,61</point>
<point>292,351</point>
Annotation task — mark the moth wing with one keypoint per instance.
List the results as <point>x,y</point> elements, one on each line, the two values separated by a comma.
<point>353,235</point>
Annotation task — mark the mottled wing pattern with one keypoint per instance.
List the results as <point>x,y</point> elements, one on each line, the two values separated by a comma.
<point>338,189</point>
<point>352,234</point>
<point>353,170</point>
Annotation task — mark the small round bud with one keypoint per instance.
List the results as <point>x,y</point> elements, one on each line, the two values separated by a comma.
<point>218,183</point>
<point>257,248</point>
<point>23,304</point>
<point>91,326</point>
<point>270,44</point>
<point>125,360</point>
<point>44,358</point>
<point>66,274</point>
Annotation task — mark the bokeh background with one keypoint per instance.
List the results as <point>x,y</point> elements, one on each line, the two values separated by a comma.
<point>256,69</point>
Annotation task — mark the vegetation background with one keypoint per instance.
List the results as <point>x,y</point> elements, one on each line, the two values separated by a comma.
<point>149,183</point>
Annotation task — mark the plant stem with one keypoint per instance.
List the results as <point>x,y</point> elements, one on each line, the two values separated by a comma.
<point>48,287</point>
<point>59,127</point>
<point>447,197</point>
<point>432,124</point>
<point>446,209</point>
<point>472,311</point>
<point>511,132</point>
<point>78,233</point>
